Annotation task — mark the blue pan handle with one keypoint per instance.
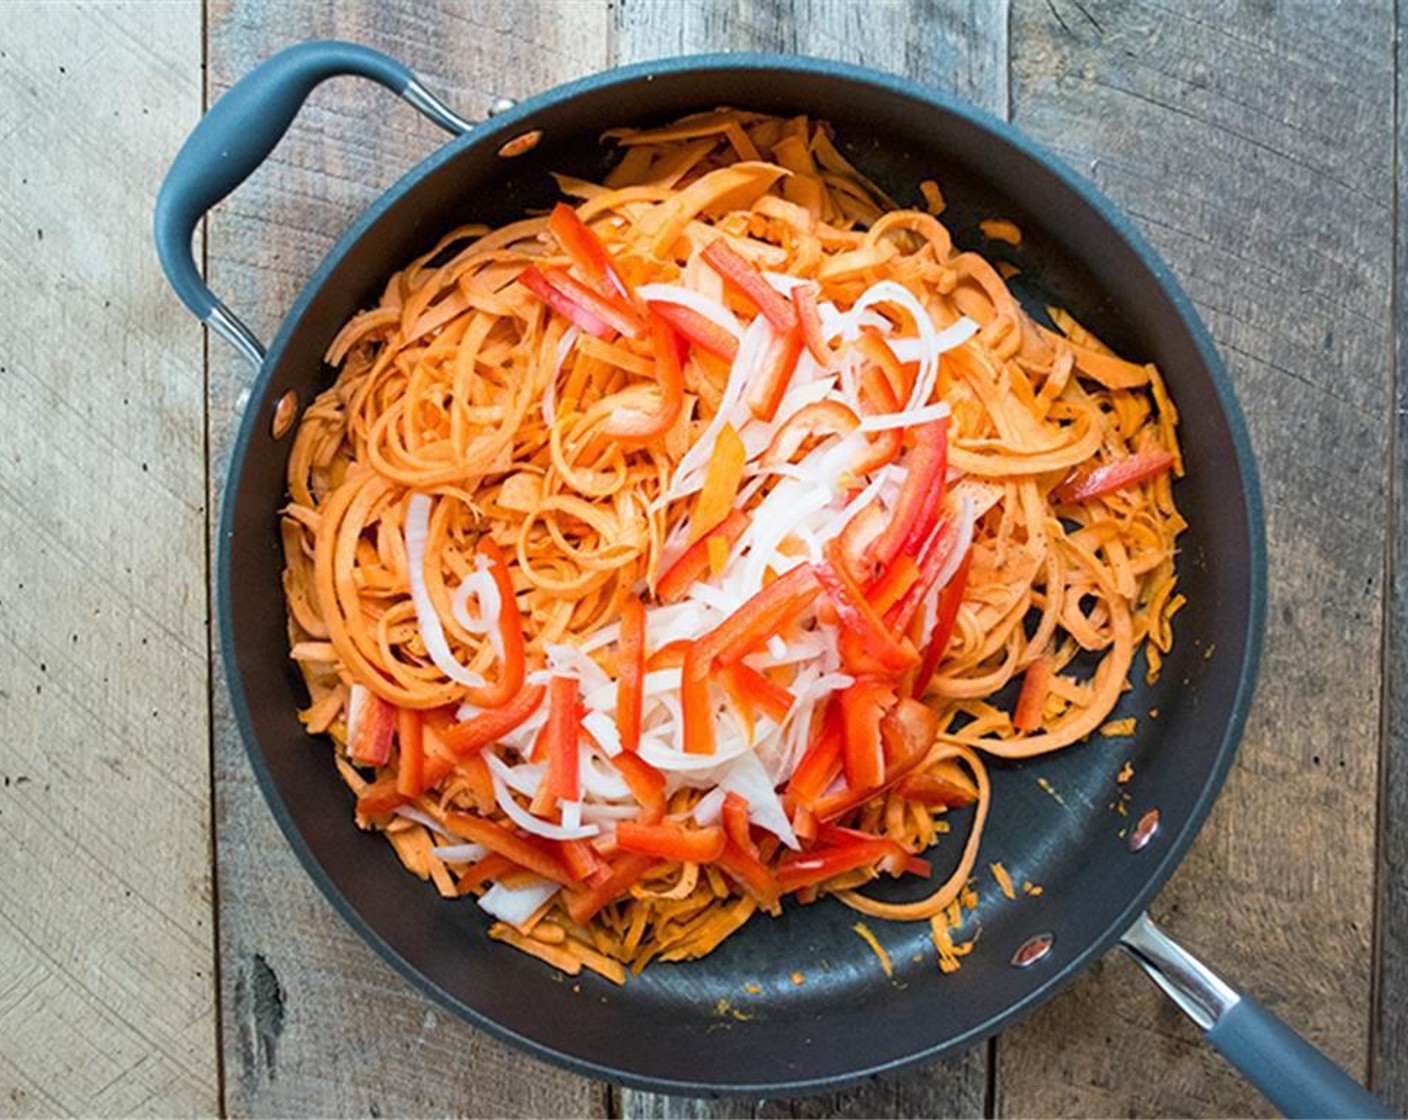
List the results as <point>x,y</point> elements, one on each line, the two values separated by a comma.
<point>238,134</point>
<point>1292,1074</point>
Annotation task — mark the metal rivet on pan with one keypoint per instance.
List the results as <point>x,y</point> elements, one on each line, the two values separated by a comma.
<point>1144,830</point>
<point>284,413</point>
<point>1033,949</point>
<point>501,105</point>
<point>521,145</point>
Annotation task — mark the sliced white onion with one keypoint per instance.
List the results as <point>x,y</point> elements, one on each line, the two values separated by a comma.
<point>571,813</point>
<point>712,310</point>
<point>601,782</point>
<point>710,807</point>
<point>602,728</point>
<point>413,814</point>
<point>357,697</point>
<point>481,584</point>
<point>515,905</point>
<point>431,631</point>
<point>967,519</point>
<point>778,648</point>
<point>905,419</point>
<point>569,661</point>
<point>459,853</point>
<point>689,473</point>
<point>595,813</point>
<point>564,347</point>
<point>524,819</point>
<point>525,778</point>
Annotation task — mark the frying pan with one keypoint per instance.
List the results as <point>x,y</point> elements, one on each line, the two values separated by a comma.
<point>668,1030</point>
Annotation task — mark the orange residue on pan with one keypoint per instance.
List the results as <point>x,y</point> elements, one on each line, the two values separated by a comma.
<point>1126,772</point>
<point>1000,229</point>
<point>879,950</point>
<point>1119,728</point>
<point>798,979</point>
<point>1004,880</point>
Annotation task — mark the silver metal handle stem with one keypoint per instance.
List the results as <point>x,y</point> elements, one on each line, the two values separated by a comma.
<point>1203,995</point>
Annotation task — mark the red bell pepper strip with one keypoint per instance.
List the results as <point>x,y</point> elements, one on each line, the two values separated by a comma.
<point>935,792</point>
<point>760,691</point>
<point>485,870</point>
<point>950,599</point>
<point>906,733</point>
<point>863,705</point>
<point>809,319</point>
<point>829,859</point>
<point>375,730</point>
<point>624,320</point>
<point>581,860</point>
<point>877,351</point>
<point>918,503</point>
<point>694,561</point>
<point>1092,482</point>
<point>892,584</point>
<point>740,857</point>
<point>857,538</point>
<point>631,673</point>
<point>821,762</point>
<point>820,418</point>
<point>936,555</point>
<point>587,252</point>
<point>479,731</point>
<point>583,905</point>
<point>641,427</point>
<point>1036,683</point>
<point>697,330</point>
<point>668,656</point>
<point>671,841</point>
<point>382,795</point>
<point>560,302</point>
<point>750,873</point>
<point>751,625</point>
<point>735,816</point>
<point>744,278</point>
<point>886,444</point>
<point>511,671</point>
<point>562,780</point>
<point>526,851</point>
<point>410,745</point>
<point>770,383</point>
<point>646,783</point>
<point>867,645</point>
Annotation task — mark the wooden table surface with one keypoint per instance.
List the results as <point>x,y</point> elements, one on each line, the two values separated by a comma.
<point>161,951</point>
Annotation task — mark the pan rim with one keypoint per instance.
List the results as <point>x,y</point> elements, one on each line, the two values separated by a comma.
<point>508,124</point>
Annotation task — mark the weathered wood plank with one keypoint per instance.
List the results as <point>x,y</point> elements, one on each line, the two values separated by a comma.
<point>1389,1053</point>
<point>313,1022</point>
<point>106,948</point>
<point>1253,145</point>
<point>961,48</point>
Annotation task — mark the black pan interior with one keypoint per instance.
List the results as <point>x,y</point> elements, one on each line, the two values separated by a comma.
<point>1057,823</point>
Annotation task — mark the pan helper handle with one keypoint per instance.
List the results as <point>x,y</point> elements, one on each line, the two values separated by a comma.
<point>1292,1074</point>
<point>238,134</point>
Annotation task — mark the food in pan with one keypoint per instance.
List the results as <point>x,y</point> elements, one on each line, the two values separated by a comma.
<point>686,549</point>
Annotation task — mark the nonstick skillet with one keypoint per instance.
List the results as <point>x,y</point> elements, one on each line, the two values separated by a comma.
<point>1051,824</point>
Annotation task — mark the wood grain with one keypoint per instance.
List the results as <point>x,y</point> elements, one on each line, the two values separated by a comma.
<point>106,947</point>
<point>961,48</point>
<point>313,1022</point>
<point>1253,144</point>
<point>1389,1055</point>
